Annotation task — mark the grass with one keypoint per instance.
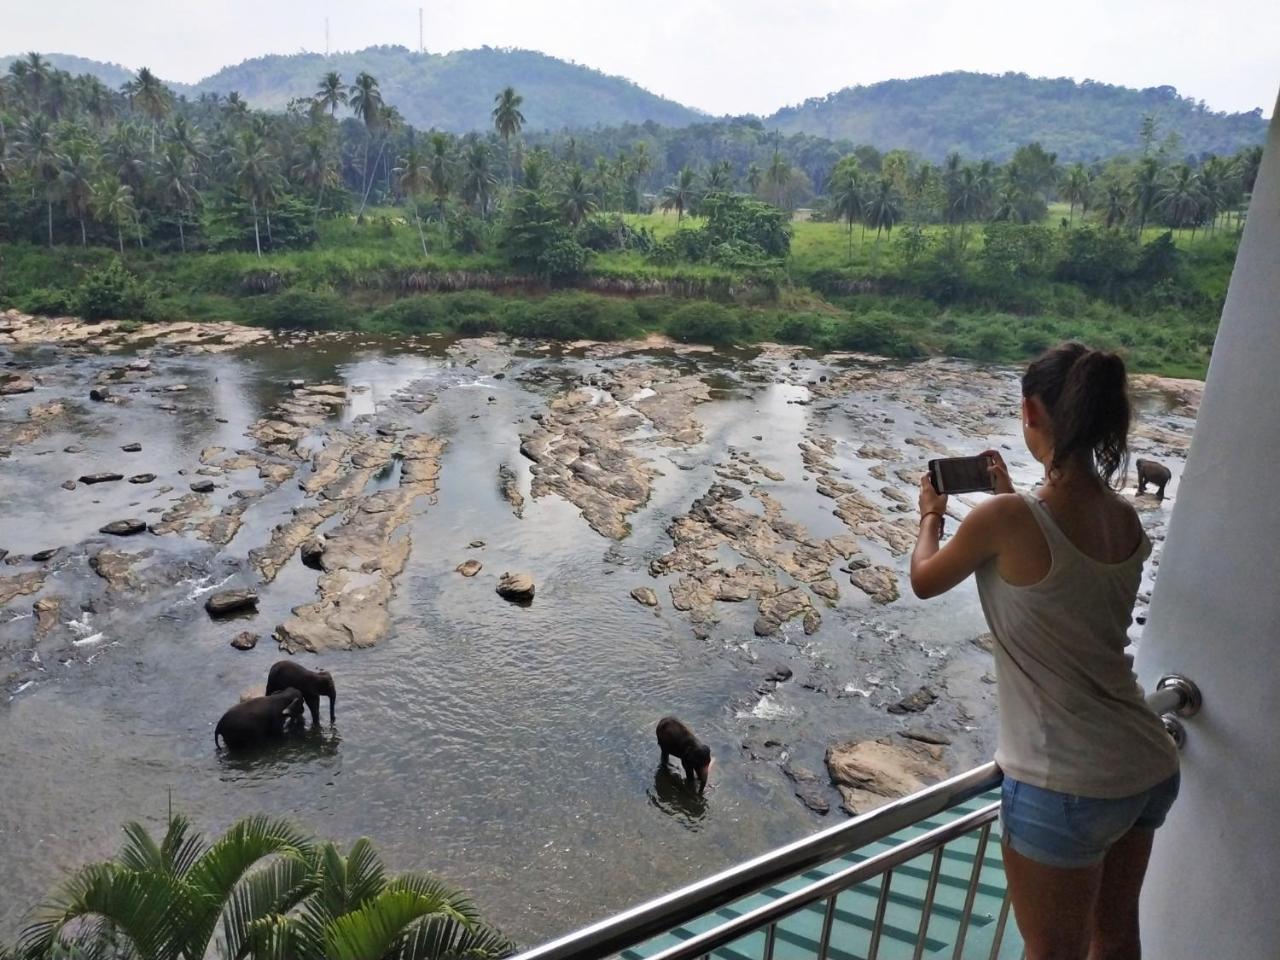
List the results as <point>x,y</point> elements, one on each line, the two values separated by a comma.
<point>358,272</point>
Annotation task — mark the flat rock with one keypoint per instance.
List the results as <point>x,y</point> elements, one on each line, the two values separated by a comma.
<point>134,447</point>
<point>879,583</point>
<point>475,544</point>
<point>925,735</point>
<point>15,385</point>
<point>202,486</point>
<point>811,797</point>
<point>73,448</point>
<point>469,568</point>
<point>142,478</point>
<point>245,641</point>
<point>40,556</point>
<point>90,478</point>
<point>915,702</point>
<point>516,586</point>
<point>645,595</point>
<point>870,773</point>
<point>231,601</point>
<point>124,528</point>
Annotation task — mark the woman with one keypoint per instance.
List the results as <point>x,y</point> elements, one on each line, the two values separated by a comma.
<point>1089,771</point>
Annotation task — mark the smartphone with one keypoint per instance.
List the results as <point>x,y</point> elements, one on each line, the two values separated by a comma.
<point>962,474</point>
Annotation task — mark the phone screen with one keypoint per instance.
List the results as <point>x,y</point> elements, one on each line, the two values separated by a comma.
<point>961,474</point>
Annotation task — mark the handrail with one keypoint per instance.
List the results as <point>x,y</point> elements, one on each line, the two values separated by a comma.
<point>1174,694</point>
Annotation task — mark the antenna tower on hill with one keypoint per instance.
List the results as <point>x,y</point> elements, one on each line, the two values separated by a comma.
<point>421,48</point>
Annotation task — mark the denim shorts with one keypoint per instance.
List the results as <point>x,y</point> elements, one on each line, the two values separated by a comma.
<point>1064,830</point>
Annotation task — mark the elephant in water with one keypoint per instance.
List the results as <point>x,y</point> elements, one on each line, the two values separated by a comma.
<point>259,719</point>
<point>1156,474</point>
<point>312,684</point>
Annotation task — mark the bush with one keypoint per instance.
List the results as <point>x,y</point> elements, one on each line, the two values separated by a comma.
<point>45,300</point>
<point>877,331</point>
<point>112,292</point>
<point>804,329</point>
<point>703,322</point>
<point>571,316</point>
<point>298,310</point>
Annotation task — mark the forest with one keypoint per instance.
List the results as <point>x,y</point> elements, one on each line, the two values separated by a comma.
<point>215,209</point>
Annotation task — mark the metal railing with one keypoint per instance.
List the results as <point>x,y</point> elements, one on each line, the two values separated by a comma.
<point>1174,697</point>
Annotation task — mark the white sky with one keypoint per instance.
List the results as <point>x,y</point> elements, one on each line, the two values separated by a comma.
<point>723,56</point>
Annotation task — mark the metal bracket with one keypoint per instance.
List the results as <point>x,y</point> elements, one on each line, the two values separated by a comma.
<point>1190,693</point>
<point>1173,726</point>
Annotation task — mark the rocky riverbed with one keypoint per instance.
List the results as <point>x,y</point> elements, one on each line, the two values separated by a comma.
<point>720,536</point>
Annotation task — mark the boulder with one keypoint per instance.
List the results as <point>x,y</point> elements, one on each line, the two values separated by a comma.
<point>68,484</point>
<point>107,477</point>
<point>134,447</point>
<point>870,773</point>
<point>312,553</point>
<point>73,448</point>
<point>245,641</point>
<point>40,556</point>
<point>15,385</point>
<point>645,595</point>
<point>227,602</point>
<point>124,528</point>
<point>99,394</point>
<point>202,486</point>
<point>879,583</point>
<point>516,586</point>
<point>469,568</point>
<point>925,735</point>
<point>142,478</point>
<point>141,365</point>
<point>914,702</point>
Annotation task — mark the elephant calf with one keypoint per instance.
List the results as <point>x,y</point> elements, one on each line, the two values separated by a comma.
<point>312,684</point>
<point>677,740</point>
<point>1156,474</point>
<point>261,718</point>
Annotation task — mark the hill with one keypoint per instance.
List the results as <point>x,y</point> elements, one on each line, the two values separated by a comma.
<point>112,74</point>
<point>455,91</point>
<point>985,115</point>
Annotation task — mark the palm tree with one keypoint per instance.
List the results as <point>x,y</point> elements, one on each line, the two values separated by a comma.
<point>1115,204</point>
<point>576,199</point>
<point>601,178</point>
<point>412,176</point>
<point>149,95</point>
<point>262,889</point>
<point>365,100</point>
<point>777,175</point>
<point>1075,190</point>
<point>314,169</point>
<point>124,155</point>
<point>76,165</point>
<point>641,164</point>
<point>253,171</point>
<point>966,198</point>
<point>680,195</point>
<point>1180,197</point>
<point>478,178</point>
<point>175,179</point>
<point>113,200</point>
<point>439,170</point>
<point>332,93</point>
<point>1144,190</point>
<point>41,158</point>
<point>507,120</point>
<point>753,178</point>
<point>720,177</point>
<point>845,189</point>
<point>884,206</point>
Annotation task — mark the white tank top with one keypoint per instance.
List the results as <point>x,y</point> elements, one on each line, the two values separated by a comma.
<point>1072,715</point>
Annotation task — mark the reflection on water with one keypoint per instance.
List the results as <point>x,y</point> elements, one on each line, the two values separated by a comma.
<point>678,797</point>
<point>270,760</point>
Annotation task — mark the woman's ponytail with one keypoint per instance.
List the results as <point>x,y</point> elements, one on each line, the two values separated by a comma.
<point>1086,394</point>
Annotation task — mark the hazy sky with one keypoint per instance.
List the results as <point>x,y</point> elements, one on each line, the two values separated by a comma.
<point>723,56</point>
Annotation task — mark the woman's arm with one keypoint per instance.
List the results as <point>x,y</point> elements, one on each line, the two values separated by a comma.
<point>934,569</point>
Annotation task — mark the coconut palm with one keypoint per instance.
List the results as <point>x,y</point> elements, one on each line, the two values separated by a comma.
<point>883,208</point>
<point>112,201</point>
<point>76,167</point>
<point>365,100</point>
<point>413,174</point>
<point>577,201</point>
<point>1076,188</point>
<point>315,169</point>
<point>777,175</point>
<point>965,199</point>
<point>175,181</point>
<point>680,195</point>
<point>754,177</point>
<point>720,177</point>
<point>1144,191</point>
<point>507,120</point>
<point>440,170</point>
<point>478,179</point>
<point>845,189</point>
<point>1181,196</point>
<point>39,155</point>
<point>147,94</point>
<point>253,172</point>
<point>125,158</point>
<point>332,93</point>
<point>1115,204</point>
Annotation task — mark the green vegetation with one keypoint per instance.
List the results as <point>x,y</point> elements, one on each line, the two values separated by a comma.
<point>262,889</point>
<point>991,116</point>
<point>149,207</point>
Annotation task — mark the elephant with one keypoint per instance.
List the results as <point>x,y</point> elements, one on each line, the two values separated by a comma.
<point>675,739</point>
<point>312,684</point>
<point>260,718</point>
<point>1156,474</point>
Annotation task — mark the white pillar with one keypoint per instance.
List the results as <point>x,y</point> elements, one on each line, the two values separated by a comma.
<point>1214,879</point>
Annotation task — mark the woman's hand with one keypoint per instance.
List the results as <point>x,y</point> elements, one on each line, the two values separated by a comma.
<point>931,501</point>
<point>999,472</point>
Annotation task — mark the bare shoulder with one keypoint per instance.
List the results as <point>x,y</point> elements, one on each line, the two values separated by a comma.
<point>1000,508</point>
<point>1124,515</point>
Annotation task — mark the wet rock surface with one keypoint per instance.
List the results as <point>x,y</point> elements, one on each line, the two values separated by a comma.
<point>870,773</point>
<point>227,602</point>
<point>518,587</point>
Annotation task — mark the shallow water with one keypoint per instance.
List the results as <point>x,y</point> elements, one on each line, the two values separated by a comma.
<point>509,749</point>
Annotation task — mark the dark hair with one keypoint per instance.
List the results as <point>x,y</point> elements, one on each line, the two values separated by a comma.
<point>1087,396</point>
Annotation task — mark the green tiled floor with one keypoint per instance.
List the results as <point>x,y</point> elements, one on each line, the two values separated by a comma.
<point>798,934</point>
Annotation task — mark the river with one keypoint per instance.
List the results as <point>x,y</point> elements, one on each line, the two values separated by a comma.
<point>507,748</point>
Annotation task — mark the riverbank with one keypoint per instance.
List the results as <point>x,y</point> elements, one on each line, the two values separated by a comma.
<point>716,534</point>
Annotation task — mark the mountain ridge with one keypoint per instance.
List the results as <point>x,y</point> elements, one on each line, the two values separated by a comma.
<point>977,114</point>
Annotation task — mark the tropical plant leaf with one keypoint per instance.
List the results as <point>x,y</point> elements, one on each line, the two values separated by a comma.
<point>442,938</point>
<point>267,892</point>
<point>376,929</point>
